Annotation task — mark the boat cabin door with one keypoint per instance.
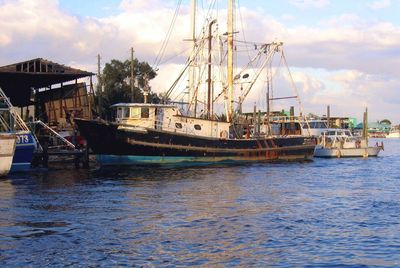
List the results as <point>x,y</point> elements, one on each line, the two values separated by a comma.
<point>159,118</point>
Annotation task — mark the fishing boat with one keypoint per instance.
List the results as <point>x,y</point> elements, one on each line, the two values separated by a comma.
<point>26,142</point>
<point>168,133</point>
<point>394,132</point>
<point>7,149</point>
<point>341,143</point>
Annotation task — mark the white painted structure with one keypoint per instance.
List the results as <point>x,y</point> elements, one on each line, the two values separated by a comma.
<point>7,149</point>
<point>142,116</point>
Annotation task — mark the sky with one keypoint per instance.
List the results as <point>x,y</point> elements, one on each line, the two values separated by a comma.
<point>341,53</point>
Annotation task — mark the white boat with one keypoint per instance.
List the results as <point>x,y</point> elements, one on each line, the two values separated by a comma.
<point>315,127</point>
<point>7,150</point>
<point>341,143</point>
<point>394,132</point>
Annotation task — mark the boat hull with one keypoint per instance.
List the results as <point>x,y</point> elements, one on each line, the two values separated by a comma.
<point>25,146</point>
<point>114,146</point>
<point>7,150</point>
<point>346,152</point>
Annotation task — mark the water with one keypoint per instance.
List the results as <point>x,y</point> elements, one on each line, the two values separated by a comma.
<point>330,212</point>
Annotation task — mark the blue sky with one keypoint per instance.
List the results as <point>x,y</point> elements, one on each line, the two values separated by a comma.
<point>342,53</point>
<point>277,8</point>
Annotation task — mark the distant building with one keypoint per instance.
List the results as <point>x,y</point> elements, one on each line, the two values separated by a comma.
<point>376,129</point>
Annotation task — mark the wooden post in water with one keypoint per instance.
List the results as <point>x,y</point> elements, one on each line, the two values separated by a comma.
<point>328,116</point>
<point>268,111</point>
<point>254,119</point>
<point>292,125</point>
<point>365,125</point>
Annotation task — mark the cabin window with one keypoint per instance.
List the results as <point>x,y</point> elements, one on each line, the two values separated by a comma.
<point>119,112</point>
<point>126,112</point>
<point>197,127</point>
<point>145,112</point>
<point>135,112</point>
<point>178,125</point>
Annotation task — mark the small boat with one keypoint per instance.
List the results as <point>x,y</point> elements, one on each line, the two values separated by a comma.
<point>394,132</point>
<point>341,143</point>
<point>26,141</point>
<point>7,149</point>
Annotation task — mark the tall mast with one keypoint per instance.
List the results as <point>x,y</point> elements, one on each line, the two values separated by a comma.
<point>230,60</point>
<point>209,94</point>
<point>193,39</point>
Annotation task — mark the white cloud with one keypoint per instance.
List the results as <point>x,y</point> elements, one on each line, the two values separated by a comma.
<point>31,29</point>
<point>349,92</point>
<point>380,4</point>
<point>305,4</point>
<point>288,17</point>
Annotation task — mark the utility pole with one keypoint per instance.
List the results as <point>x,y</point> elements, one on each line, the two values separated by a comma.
<point>132,81</point>
<point>99,85</point>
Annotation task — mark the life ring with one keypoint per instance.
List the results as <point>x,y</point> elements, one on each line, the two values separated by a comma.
<point>223,134</point>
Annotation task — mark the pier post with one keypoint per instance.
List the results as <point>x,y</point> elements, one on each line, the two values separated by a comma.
<point>85,158</point>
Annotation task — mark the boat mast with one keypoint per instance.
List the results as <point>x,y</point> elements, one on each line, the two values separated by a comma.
<point>192,63</point>
<point>230,60</point>
<point>209,91</point>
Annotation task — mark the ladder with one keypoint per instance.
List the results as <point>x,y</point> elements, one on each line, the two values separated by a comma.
<point>55,134</point>
<point>9,107</point>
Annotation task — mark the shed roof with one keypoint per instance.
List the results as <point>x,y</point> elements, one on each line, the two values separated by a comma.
<point>18,79</point>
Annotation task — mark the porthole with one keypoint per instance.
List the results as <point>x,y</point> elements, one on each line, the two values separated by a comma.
<point>178,125</point>
<point>197,127</point>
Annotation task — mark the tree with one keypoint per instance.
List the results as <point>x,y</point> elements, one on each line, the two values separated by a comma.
<point>115,81</point>
<point>386,122</point>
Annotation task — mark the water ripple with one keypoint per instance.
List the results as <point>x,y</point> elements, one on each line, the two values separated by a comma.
<point>329,212</point>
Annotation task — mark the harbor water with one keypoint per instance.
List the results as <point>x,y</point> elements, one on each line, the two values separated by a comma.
<point>328,212</point>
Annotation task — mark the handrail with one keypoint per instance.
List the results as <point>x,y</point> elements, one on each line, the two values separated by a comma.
<point>69,144</point>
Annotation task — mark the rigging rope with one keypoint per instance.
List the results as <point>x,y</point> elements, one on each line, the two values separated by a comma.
<point>167,37</point>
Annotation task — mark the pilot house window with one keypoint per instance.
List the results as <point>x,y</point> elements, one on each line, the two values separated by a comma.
<point>145,112</point>
<point>126,112</point>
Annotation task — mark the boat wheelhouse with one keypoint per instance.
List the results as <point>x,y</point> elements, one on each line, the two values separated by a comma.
<point>142,116</point>
<point>315,127</point>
